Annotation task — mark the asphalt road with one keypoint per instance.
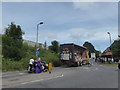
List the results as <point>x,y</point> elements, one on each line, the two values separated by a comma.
<point>97,76</point>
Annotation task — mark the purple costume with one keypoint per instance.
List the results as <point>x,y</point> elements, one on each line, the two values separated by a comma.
<point>38,67</point>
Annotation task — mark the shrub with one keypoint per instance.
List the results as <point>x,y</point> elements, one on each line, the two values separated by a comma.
<point>57,63</point>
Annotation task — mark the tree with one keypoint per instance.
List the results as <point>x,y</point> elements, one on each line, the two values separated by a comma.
<point>91,48</point>
<point>45,45</point>
<point>115,47</point>
<point>12,42</point>
<point>55,46</point>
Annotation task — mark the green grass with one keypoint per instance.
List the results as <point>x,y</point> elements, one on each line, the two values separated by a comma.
<point>11,65</point>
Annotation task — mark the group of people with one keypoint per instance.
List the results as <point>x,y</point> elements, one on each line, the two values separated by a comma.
<point>37,66</point>
<point>109,60</point>
<point>104,60</point>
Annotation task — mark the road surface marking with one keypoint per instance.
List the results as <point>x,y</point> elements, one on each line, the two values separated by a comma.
<point>21,73</point>
<point>41,79</point>
<point>67,68</point>
<point>12,74</point>
<point>96,68</point>
<point>37,80</point>
<point>32,81</point>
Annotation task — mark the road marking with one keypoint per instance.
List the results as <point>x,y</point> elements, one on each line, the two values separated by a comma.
<point>11,75</point>
<point>41,80</point>
<point>32,81</point>
<point>37,80</point>
<point>96,68</point>
<point>67,68</point>
<point>21,73</point>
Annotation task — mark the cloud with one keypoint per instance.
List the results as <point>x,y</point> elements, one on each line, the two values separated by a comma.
<point>84,5</point>
<point>80,33</point>
<point>93,35</point>
<point>75,35</point>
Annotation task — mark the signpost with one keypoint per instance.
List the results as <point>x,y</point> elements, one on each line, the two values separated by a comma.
<point>37,53</point>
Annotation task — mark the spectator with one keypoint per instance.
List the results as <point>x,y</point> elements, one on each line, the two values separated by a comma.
<point>30,69</point>
<point>39,66</point>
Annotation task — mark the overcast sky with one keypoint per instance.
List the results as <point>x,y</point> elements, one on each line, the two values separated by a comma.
<point>66,22</point>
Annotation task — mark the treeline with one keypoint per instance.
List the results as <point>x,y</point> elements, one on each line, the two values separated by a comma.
<point>16,54</point>
<point>115,48</point>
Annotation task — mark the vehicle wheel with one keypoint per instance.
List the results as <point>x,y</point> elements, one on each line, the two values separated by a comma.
<point>69,64</point>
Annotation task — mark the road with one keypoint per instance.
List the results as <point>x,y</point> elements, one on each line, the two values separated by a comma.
<point>97,76</point>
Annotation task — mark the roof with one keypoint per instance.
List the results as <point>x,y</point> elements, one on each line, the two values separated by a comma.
<point>73,44</point>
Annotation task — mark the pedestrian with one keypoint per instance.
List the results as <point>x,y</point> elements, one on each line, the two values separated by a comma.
<point>31,66</point>
<point>119,64</point>
<point>39,66</point>
<point>105,59</point>
<point>112,60</point>
<point>35,64</point>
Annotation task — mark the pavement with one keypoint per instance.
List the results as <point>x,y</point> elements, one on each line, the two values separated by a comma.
<point>96,76</point>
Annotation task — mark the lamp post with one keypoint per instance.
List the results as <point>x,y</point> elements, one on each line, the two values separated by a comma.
<point>37,33</point>
<point>110,47</point>
<point>37,52</point>
<point>110,39</point>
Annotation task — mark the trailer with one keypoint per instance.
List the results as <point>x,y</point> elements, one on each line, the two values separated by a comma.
<point>72,54</point>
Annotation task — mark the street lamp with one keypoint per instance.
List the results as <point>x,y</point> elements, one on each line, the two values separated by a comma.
<point>110,43</point>
<point>110,38</point>
<point>37,33</point>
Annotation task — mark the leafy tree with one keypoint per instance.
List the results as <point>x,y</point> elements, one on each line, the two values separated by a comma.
<point>45,45</point>
<point>115,47</point>
<point>12,42</point>
<point>91,48</point>
<point>55,46</point>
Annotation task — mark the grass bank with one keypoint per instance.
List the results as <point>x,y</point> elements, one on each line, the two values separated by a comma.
<point>46,55</point>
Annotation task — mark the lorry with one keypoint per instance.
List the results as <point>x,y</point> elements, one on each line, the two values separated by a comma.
<point>72,54</point>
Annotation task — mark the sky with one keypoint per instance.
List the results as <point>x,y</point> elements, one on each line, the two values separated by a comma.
<point>66,22</point>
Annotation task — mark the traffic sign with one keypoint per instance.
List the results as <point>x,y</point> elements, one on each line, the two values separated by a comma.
<point>37,52</point>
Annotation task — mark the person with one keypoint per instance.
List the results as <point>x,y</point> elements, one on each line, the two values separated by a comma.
<point>31,62</point>
<point>35,64</point>
<point>44,66</point>
<point>39,66</point>
<point>112,60</point>
<point>119,64</point>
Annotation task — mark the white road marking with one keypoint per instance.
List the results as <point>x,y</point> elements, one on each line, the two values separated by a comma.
<point>21,73</point>
<point>5,75</point>
<point>41,79</point>
<point>86,68</point>
<point>67,68</point>
<point>11,75</point>
<point>38,80</point>
<point>32,81</point>
<point>96,68</point>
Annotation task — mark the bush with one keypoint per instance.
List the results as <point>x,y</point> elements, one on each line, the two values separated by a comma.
<point>57,63</point>
<point>9,65</point>
<point>46,55</point>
